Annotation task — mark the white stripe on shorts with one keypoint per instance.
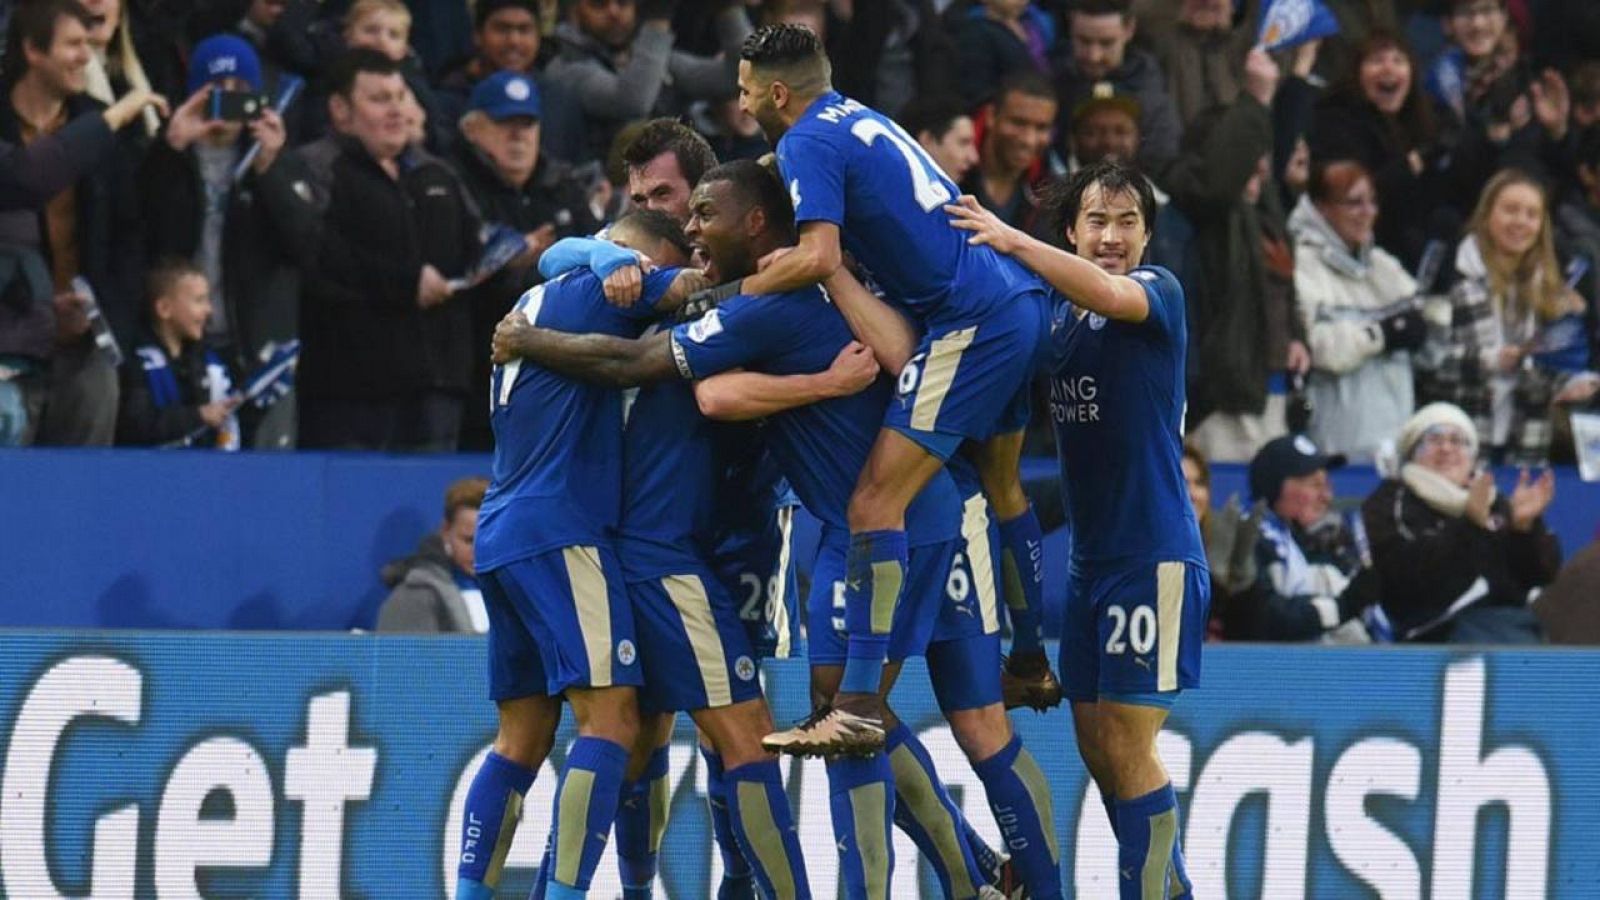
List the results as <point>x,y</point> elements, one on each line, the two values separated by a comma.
<point>1169,623</point>
<point>980,557</point>
<point>777,601</point>
<point>688,594</point>
<point>938,373</point>
<point>590,596</point>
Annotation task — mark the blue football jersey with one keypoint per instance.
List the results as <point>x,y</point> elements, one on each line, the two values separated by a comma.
<point>822,447</point>
<point>557,477</point>
<point>854,167</point>
<point>1117,401</point>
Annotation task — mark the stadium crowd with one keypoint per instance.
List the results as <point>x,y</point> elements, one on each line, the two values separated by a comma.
<point>1388,237</point>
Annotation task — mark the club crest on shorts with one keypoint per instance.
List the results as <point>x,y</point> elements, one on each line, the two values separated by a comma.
<point>745,668</point>
<point>626,654</point>
<point>1096,321</point>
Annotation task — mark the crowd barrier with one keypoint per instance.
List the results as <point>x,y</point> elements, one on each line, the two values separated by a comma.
<point>148,539</point>
<point>181,765</point>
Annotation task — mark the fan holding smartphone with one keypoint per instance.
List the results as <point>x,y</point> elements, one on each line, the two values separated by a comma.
<point>226,101</point>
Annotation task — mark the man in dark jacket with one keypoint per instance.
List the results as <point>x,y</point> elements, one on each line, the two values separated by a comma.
<point>515,185</point>
<point>88,231</point>
<point>387,355</point>
<point>434,589</point>
<point>1099,51</point>
<point>249,235</point>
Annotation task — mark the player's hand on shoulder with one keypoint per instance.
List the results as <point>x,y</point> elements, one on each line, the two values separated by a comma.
<point>853,370</point>
<point>625,284</point>
<point>765,262</point>
<point>685,285</point>
<point>967,214</point>
<point>509,336</point>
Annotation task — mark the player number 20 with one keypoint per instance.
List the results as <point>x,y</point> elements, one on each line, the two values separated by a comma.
<point>1140,629</point>
<point>925,183</point>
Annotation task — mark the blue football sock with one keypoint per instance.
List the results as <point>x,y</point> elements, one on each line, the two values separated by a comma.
<point>861,799</point>
<point>1178,885</point>
<point>923,809</point>
<point>1020,798</point>
<point>641,819</point>
<point>764,825</point>
<point>541,883</point>
<point>489,822</point>
<point>585,807</point>
<point>874,573</point>
<point>736,877</point>
<point>1022,580</point>
<point>1147,830</point>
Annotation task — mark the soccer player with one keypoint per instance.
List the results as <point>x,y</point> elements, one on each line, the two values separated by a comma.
<point>1140,590</point>
<point>560,624</point>
<point>740,212</point>
<point>858,182</point>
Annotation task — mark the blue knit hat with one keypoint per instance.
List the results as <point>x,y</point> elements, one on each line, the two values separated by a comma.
<point>224,56</point>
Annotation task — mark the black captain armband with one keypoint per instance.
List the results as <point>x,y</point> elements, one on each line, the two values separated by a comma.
<point>702,302</point>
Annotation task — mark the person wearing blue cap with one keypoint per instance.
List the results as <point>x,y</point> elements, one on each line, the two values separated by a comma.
<point>243,228</point>
<point>517,184</point>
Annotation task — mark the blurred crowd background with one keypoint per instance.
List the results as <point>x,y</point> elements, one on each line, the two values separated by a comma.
<point>278,224</point>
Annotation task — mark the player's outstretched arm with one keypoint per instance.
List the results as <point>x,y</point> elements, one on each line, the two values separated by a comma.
<point>738,395</point>
<point>875,323</point>
<point>1081,281</point>
<point>598,358</point>
<point>814,258</point>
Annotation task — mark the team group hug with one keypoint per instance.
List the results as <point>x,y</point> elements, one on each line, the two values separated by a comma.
<point>839,330</point>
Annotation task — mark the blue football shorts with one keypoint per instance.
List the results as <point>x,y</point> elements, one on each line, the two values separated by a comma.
<point>969,378</point>
<point>1133,635</point>
<point>757,568</point>
<point>695,651</point>
<point>558,620</point>
<point>964,653</point>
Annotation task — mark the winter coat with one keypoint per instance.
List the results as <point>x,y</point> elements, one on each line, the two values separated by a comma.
<point>1204,68</point>
<point>891,51</point>
<point>364,336</point>
<point>1139,75</point>
<point>1433,567</point>
<point>1459,364</point>
<point>1309,585</point>
<point>269,232</point>
<point>988,52</point>
<point>424,595</point>
<point>160,397</point>
<point>1361,393</point>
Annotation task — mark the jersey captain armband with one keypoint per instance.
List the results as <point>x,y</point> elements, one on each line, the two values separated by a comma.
<point>701,302</point>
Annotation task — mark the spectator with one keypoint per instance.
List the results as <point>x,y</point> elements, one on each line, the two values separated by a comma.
<point>1310,580</point>
<point>945,131</point>
<point>387,353</point>
<point>1584,84</point>
<point>1356,302</point>
<point>999,40</point>
<point>249,236</point>
<point>664,161</point>
<point>1379,118</point>
<point>435,589</point>
<point>1578,227</point>
<point>89,230</point>
<point>177,391</point>
<point>517,186</point>
<point>1480,352</point>
<point>888,51</point>
<point>117,67</point>
<point>617,59</point>
<point>1202,54</point>
<point>1197,478</point>
<point>1245,335</point>
<point>1012,145</point>
<point>1105,125</point>
<point>1458,563</point>
<point>1100,31</point>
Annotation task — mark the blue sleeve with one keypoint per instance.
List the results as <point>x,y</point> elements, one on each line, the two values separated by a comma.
<point>730,336</point>
<point>651,291</point>
<point>603,257</point>
<point>1165,294</point>
<point>814,173</point>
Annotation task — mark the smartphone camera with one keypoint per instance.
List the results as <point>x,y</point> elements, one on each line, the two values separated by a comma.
<point>237,106</point>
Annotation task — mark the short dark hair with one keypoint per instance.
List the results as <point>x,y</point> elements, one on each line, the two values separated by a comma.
<point>665,135</point>
<point>354,63</point>
<point>1123,8</point>
<point>757,186</point>
<point>935,115</point>
<point>33,23</point>
<point>657,225</point>
<point>792,52</point>
<point>165,275</point>
<point>486,8</point>
<point>1064,198</point>
<point>1028,83</point>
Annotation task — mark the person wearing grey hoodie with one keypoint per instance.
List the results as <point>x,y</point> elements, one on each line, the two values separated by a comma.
<point>1360,318</point>
<point>435,589</point>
